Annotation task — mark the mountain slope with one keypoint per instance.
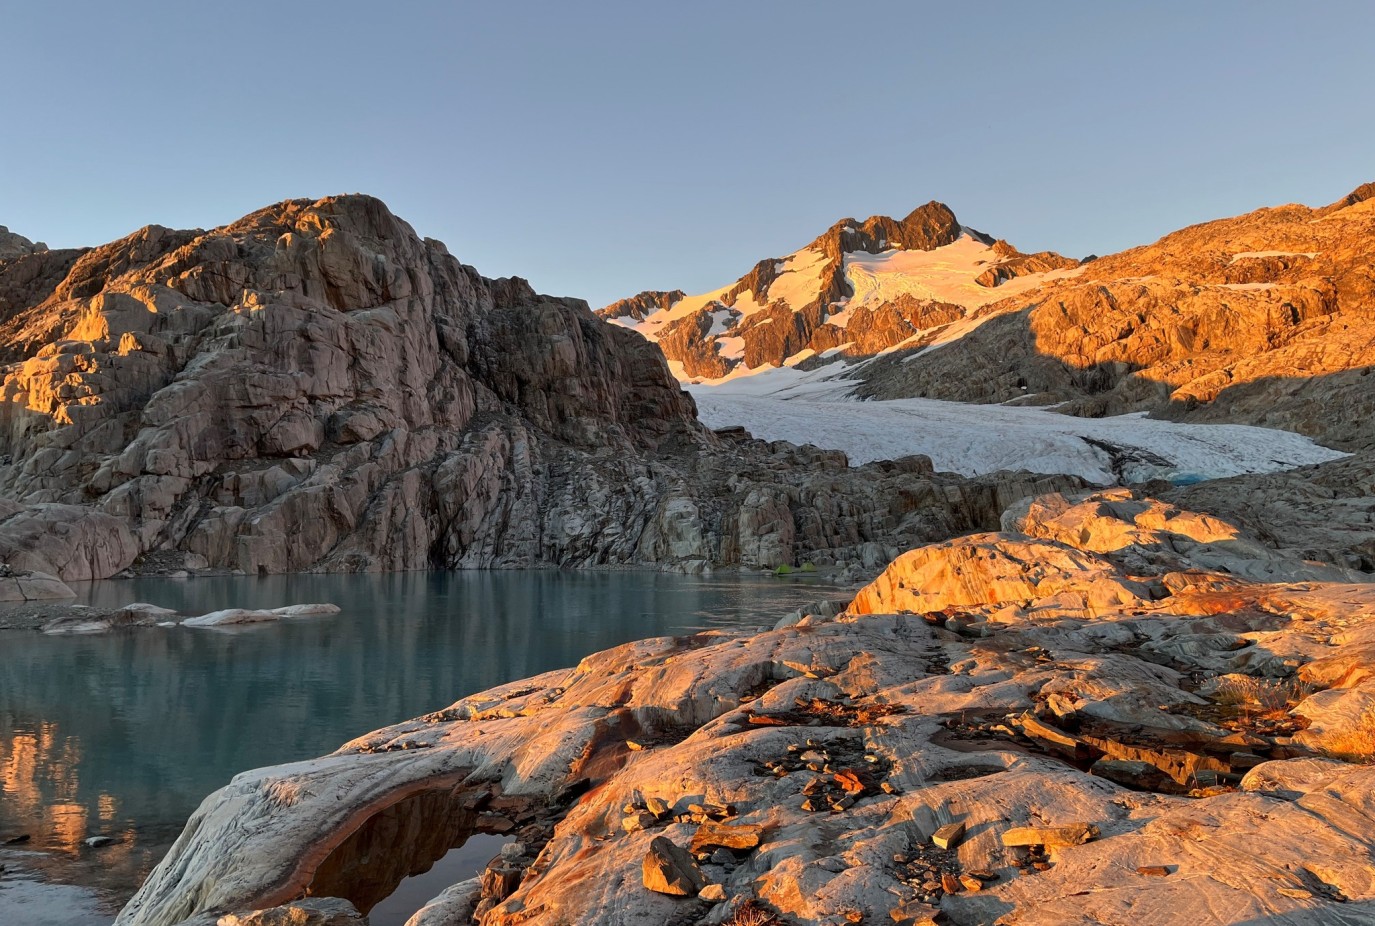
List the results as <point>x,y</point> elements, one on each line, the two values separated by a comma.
<point>1265,319</point>
<point>857,289</point>
<point>315,387</point>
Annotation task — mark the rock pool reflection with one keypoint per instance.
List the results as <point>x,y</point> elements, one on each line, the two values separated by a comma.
<point>123,734</point>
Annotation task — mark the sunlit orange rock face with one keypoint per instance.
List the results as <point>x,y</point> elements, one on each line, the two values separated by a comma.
<point>819,299</point>
<point>1267,318</point>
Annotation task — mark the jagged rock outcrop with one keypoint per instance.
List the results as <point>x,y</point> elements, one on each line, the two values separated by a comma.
<point>1015,264</point>
<point>1192,749</point>
<point>16,245</point>
<point>857,289</point>
<point>315,387</point>
<point>1144,534</point>
<point>1267,318</point>
<point>641,306</point>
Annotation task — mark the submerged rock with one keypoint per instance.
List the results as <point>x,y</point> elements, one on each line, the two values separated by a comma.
<point>308,911</point>
<point>230,616</point>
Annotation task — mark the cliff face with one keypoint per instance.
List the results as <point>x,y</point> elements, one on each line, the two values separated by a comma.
<point>316,387</point>
<point>857,289</point>
<point>1267,318</point>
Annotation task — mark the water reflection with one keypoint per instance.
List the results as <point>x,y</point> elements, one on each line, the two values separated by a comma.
<point>123,734</point>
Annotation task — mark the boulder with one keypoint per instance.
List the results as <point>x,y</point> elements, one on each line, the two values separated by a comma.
<point>669,869</point>
<point>737,837</point>
<point>32,586</point>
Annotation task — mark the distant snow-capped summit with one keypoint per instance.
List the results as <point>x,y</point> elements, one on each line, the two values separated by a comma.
<point>858,289</point>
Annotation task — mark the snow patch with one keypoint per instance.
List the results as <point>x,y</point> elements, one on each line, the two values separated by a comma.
<point>732,348</point>
<point>946,274</point>
<point>1244,255</point>
<point>799,281</point>
<point>972,439</point>
<point>721,319</point>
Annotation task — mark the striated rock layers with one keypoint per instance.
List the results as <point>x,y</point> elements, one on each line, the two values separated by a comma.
<point>857,289</point>
<point>1079,720</point>
<point>1267,318</point>
<point>314,387</point>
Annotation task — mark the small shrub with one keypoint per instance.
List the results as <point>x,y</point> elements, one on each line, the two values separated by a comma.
<point>1356,744</point>
<point>1261,695</point>
<point>750,913</point>
<point>783,570</point>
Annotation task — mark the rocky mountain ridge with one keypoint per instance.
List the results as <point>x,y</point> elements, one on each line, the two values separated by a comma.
<point>788,309</point>
<point>1266,319</point>
<point>13,244</point>
<point>315,387</point>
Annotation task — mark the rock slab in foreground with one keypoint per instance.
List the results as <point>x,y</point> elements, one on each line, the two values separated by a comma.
<point>920,706</point>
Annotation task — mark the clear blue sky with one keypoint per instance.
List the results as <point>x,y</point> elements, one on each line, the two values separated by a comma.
<point>598,149</point>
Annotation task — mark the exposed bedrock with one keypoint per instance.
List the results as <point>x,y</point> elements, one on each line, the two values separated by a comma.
<point>315,387</point>
<point>1266,318</point>
<point>1120,733</point>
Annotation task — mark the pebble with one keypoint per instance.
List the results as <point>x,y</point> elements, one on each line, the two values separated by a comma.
<point>713,893</point>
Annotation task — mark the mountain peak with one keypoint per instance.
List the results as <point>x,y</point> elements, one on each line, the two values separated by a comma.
<point>925,228</point>
<point>857,289</point>
<point>1359,195</point>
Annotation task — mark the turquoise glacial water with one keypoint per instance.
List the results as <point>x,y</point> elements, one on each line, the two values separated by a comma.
<point>123,734</point>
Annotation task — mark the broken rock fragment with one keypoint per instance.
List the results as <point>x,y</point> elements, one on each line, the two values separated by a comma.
<point>669,869</point>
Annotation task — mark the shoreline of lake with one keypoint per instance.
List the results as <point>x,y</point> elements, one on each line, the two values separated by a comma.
<point>121,734</point>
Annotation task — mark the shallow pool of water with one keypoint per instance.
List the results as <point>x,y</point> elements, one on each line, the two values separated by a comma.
<point>123,734</point>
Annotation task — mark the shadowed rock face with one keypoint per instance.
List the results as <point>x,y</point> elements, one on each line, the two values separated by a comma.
<point>1267,318</point>
<point>1324,512</point>
<point>14,245</point>
<point>316,387</point>
<point>1075,696</point>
